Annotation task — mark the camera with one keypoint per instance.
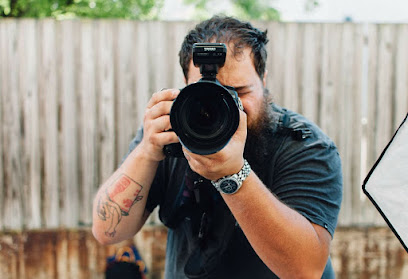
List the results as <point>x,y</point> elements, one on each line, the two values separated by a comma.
<point>205,114</point>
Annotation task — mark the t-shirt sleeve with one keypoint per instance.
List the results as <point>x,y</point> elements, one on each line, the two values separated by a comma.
<point>308,178</point>
<point>155,193</point>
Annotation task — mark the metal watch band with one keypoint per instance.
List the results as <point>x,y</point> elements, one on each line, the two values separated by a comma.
<point>244,172</point>
<point>238,177</point>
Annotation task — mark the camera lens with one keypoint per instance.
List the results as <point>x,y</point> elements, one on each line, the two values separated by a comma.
<point>204,117</point>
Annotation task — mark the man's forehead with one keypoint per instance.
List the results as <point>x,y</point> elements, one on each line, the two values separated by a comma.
<point>227,75</point>
<point>238,55</point>
<point>235,55</point>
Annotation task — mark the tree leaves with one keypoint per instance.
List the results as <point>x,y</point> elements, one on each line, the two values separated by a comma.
<point>259,10</point>
<point>128,9</point>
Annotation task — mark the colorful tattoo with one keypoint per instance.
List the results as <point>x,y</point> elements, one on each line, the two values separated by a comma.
<point>119,199</point>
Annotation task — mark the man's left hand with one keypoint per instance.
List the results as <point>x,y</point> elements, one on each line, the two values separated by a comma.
<point>227,161</point>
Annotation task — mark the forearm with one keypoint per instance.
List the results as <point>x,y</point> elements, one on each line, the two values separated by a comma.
<point>285,240</point>
<point>119,206</point>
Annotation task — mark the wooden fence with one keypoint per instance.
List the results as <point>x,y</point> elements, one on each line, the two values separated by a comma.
<point>73,94</point>
<point>356,253</point>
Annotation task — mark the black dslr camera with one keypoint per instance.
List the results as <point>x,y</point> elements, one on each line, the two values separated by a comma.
<point>205,114</point>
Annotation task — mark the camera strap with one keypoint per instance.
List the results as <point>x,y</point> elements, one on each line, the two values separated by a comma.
<point>213,224</point>
<point>297,132</point>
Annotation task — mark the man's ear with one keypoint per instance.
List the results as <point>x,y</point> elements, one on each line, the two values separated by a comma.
<point>264,78</point>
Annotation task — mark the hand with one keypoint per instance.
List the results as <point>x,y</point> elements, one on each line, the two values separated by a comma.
<point>156,124</point>
<point>227,161</point>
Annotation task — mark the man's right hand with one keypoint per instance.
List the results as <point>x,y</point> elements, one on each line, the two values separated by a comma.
<point>128,187</point>
<point>156,124</point>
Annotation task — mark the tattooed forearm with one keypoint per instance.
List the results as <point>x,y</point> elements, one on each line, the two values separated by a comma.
<point>118,199</point>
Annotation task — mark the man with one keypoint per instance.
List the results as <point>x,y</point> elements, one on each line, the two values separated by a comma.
<point>281,220</point>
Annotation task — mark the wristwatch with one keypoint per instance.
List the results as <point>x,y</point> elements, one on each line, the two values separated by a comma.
<point>230,184</point>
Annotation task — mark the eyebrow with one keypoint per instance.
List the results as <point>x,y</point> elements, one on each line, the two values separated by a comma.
<point>238,88</point>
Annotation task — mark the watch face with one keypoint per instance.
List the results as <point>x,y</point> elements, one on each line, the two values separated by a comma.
<point>229,186</point>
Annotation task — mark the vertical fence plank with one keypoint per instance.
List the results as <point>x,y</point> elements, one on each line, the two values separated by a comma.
<point>3,90</point>
<point>89,257</point>
<point>105,74</point>
<point>73,263</point>
<point>380,98</point>
<point>157,49</point>
<point>349,119</point>
<point>369,214</point>
<point>373,50</point>
<point>354,107</point>
<point>401,76</point>
<point>329,83</point>
<point>169,55</point>
<point>291,69</point>
<point>275,60</point>
<point>70,151</point>
<point>88,129</point>
<point>49,89</point>
<point>142,62</point>
<point>178,30</point>
<point>61,255</point>
<point>344,117</point>
<point>29,90</point>
<point>384,87</point>
<point>13,179</point>
<point>311,71</point>
<point>125,77</point>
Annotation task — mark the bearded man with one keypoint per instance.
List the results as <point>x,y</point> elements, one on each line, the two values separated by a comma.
<point>278,222</point>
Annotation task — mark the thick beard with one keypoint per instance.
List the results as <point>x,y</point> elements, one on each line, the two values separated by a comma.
<point>259,133</point>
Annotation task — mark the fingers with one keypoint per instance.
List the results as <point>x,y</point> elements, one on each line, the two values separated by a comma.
<point>208,167</point>
<point>156,118</point>
<point>158,110</point>
<point>200,164</point>
<point>241,132</point>
<point>160,105</point>
<point>162,139</point>
<point>156,123</point>
<point>160,124</point>
<point>164,95</point>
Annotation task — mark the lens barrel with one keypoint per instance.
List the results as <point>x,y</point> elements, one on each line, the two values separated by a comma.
<point>204,116</point>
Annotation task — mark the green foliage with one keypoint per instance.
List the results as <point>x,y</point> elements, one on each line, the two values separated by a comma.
<point>244,9</point>
<point>4,7</point>
<point>128,9</point>
<point>310,5</point>
<point>138,9</point>
<point>259,10</point>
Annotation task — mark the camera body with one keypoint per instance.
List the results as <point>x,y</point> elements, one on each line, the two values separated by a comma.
<point>205,114</point>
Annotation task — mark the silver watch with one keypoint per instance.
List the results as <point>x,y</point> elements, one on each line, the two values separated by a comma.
<point>230,184</point>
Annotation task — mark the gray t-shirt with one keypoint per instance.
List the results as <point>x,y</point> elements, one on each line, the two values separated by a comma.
<point>305,174</point>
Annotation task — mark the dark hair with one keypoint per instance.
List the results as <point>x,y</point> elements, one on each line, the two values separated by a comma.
<point>228,30</point>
